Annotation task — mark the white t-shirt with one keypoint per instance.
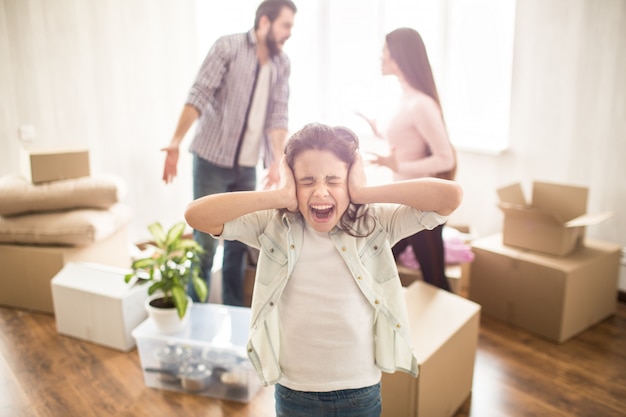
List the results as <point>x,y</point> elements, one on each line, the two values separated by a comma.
<point>327,325</point>
<point>251,144</point>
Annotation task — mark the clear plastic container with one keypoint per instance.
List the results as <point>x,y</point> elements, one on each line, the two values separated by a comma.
<point>207,358</point>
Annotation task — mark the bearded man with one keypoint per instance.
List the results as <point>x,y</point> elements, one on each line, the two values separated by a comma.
<point>239,99</point>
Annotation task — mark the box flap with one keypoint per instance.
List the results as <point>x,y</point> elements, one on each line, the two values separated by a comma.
<point>565,201</point>
<point>589,219</point>
<point>512,194</point>
<point>529,213</point>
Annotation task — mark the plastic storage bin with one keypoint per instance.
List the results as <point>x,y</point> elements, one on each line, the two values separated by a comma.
<point>208,358</point>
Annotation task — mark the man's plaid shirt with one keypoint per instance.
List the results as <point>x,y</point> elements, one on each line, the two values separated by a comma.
<point>222,93</point>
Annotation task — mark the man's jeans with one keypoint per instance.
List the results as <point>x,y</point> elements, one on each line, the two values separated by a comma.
<point>363,402</point>
<point>211,179</point>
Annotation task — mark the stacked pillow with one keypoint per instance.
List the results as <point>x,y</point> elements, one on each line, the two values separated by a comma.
<point>72,212</point>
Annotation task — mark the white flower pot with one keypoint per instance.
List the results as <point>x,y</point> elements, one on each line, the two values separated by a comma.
<point>166,319</point>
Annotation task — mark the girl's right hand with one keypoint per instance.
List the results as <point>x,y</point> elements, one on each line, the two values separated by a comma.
<point>288,186</point>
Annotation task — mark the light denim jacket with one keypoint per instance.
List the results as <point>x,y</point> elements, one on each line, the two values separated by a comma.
<point>279,238</point>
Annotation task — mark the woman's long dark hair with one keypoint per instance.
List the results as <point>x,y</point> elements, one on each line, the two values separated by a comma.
<point>407,49</point>
<point>344,144</point>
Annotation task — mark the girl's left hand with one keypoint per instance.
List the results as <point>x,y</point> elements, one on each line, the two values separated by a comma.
<point>356,177</point>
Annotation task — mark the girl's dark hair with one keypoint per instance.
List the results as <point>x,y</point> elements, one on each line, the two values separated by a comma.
<point>271,9</point>
<point>344,144</point>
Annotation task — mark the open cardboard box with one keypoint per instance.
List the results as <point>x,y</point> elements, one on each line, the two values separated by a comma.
<point>553,222</point>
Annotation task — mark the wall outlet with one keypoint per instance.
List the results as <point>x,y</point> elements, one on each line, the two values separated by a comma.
<point>27,133</point>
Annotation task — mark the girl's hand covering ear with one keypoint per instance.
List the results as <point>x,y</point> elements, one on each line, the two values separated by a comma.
<point>288,186</point>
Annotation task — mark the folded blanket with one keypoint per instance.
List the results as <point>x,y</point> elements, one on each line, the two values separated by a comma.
<point>456,251</point>
<point>19,196</point>
<point>77,227</point>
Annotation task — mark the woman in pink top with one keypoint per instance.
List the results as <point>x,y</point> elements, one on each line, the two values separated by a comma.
<point>417,138</point>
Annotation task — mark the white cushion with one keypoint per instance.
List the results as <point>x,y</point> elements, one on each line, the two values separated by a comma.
<point>18,195</point>
<point>78,227</point>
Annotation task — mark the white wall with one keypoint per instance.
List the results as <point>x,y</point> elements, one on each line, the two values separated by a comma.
<point>568,113</point>
<point>113,76</point>
<point>109,75</point>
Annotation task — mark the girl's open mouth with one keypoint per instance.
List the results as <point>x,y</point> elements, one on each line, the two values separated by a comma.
<point>322,212</point>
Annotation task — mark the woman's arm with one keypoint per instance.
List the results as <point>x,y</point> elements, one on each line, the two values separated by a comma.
<point>429,125</point>
<point>428,194</point>
<point>208,214</point>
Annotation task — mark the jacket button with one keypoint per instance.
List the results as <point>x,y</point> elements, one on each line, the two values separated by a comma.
<point>272,250</point>
<point>271,304</point>
<point>375,247</point>
<point>398,326</point>
<point>293,246</point>
<point>343,248</point>
<point>359,277</point>
<point>377,301</point>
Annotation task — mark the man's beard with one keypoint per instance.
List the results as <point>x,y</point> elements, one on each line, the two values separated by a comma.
<point>272,44</point>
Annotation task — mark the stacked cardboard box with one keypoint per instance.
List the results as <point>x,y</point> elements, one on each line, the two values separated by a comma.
<point>541,273</point>
<point>45,165</point>
<point>48,220</point>
<point>28,269</point>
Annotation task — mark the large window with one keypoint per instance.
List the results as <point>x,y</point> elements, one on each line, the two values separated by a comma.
<point>335,52</point>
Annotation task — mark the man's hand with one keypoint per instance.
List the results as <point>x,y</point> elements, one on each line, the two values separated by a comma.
<point>171,162</point>
<point>272,178</point>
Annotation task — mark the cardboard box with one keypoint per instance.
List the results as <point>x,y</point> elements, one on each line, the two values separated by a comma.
<point>554,297</point>
<point>444,329</point>
<point>553,222</point>
<point>92,302</point>
<point>39,165</point>
<point>215,341</point>
<point>27,270</point>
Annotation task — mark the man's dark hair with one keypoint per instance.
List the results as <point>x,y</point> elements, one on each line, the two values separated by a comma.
<point>271,9</point>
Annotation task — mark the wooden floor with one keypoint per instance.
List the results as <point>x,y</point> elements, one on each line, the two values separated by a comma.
<point>516,374</point>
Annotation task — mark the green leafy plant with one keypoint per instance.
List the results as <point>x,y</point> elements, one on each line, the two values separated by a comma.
<point>172,265</point>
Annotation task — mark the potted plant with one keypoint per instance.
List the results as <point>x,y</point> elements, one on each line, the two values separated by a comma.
<point>173,263</point>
